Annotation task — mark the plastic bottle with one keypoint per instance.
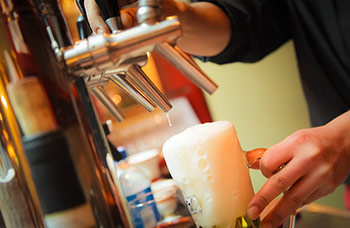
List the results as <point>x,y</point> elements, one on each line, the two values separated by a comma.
<point>137,189</point>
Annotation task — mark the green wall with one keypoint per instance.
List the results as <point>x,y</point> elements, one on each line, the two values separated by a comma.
<point>265,102</point>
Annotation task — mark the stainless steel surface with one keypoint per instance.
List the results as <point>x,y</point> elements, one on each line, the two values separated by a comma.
<point>103,97</point>
<point>114,24</point>
<point>150,11</point>
<point>122,53</point>
<point>101,52</point>
<point>147,86</point>
<point>121,81</point>
<point>289,222</point>
<point>320,216</point>
<point>139,86</point>
<point>133,69</point>
<point>111,13</point>
<point>186,67</point>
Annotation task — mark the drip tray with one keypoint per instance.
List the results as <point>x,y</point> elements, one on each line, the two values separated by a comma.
<point>314,215</point>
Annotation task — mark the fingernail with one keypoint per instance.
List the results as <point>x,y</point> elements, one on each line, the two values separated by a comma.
<point>267,225</point>
<point>253,212</point>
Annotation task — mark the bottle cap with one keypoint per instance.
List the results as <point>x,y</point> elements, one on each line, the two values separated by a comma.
<point>122,151</point>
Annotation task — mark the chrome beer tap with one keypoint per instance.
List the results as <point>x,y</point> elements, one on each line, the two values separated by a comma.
<point>69,74</point>
<point>150,12</point>
<point>118,53</point>
<point>129,75</point>
<point>96,83</point>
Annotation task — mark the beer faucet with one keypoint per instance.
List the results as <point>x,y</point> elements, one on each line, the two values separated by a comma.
<point>129,75</point>
<point>150,12</point>
<point>117,56</point>
<point>67,71</point>
<point>97,82</point>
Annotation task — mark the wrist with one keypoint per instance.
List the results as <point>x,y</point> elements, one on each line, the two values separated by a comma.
<point>340,126</point>
<point>178,8</point>
<point>206,29</point>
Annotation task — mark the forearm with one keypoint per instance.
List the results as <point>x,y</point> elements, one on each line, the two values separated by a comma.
<point>206,28</point>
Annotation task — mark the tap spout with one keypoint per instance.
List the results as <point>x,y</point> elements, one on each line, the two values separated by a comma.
<point>101,52</point>
<point>147,86</point>
<point>104,98</point>
<point>121,81</point>
<point>186,66</point>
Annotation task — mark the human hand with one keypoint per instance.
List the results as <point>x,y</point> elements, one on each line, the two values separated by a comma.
<point>205,27</point>
<point>127,13</point>
<point>316,161</point>
<point>97,24</point>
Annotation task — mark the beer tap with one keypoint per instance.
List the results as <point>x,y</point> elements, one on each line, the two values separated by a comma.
<point>129,75</point>
<point>101,94</point>
<point>150,12</point>
<point>132,69</point>
<point>103,52</point>
<point>97,83</point>
<point>121,81</point>
<point>69,74</point>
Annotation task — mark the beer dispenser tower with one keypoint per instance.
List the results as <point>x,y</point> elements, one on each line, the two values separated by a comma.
<point>54,156</point>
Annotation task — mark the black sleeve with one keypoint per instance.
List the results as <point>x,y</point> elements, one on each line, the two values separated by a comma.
<point>258,28</point>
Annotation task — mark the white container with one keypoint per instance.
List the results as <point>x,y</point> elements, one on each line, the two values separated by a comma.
<point>164,192</point>
<point>148,162</point>
<point>137,189</point>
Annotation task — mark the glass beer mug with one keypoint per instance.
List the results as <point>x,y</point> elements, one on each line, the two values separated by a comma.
<point>211,169</point>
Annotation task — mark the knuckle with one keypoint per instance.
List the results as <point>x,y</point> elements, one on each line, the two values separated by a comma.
<point>300,137</point>
<point>262,200</point>
<point>281,183</point>
<point>324,173</point>
<point>314,154</point>
<point>325,170</point>
<point>295,200</point>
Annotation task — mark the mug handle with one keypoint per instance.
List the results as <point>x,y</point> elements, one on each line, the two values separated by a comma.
<point>253,157</point>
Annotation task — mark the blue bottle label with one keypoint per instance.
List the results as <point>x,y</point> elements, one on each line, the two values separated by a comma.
<point>143,209</point>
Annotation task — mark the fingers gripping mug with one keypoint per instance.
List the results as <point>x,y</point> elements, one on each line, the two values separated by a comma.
<point>211,169</point>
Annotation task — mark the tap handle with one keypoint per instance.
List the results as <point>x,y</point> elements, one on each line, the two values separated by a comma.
<point>110,13</point>
<point>80,4</point>
<point>83,27</point>
<point>108,8</point>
